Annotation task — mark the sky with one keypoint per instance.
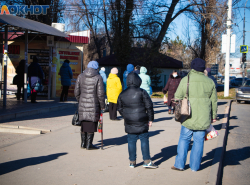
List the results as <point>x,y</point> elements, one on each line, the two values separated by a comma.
<point>180,22</point>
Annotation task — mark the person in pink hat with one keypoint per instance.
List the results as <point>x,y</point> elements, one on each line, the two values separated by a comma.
<point>114,88</point>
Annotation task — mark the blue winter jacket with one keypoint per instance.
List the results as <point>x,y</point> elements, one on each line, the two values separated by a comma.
<point>66,74</point>
<point>146,81</point>
<point>104,77</point>
<point>130,68</point>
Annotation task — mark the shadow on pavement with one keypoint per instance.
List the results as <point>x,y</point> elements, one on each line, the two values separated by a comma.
<point>233,157</point>
<point>11,166</point>
<point>162,119</point>
<point>160,111</point>
<point>122,140</point>
<point>221,103</point>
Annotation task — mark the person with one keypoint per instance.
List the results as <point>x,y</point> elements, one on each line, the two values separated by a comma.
<point>137,69</point>
<point>114,88</point>
<point>20,80</point>
<point>130,68</point>
<point>208,74</point>
<point>104,77</point>
<point>146,81</point>
<point>171,87</point>
<point>66,76</point>
<point>203,101</point>
<point>136,107</point>
<point>35,76</point>
<point>89,93</point>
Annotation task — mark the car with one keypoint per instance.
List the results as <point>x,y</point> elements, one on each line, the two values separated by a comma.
<point>230,78</point>
<point>237,82</point>
<point>243,92</point>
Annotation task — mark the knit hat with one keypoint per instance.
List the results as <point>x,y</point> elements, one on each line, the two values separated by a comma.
<point>208,70</point>
<point>93,64</point>
<point>198,65</point>
<point>103,69</point>
<point>130,68</point>
<point>114,70</point>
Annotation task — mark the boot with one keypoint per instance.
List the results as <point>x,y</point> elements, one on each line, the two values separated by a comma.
<point>65,98</point>
<point>84,138</point>
<point>90,146</point>
<point>33,98</point>
<point>169,111</point>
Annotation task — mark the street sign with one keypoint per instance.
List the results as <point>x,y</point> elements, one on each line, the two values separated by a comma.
<point>214,69</point>
<point>244,48</point>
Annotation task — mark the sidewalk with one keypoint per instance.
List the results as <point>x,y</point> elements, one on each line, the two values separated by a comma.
<point>56,157</point>
<point>17,108</point>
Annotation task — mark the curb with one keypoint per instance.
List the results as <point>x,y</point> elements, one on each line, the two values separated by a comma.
<point>35,111</point>
<point>215,173</point>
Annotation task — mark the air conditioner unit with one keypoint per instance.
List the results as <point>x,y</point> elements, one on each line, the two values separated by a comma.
<point>59,26</point>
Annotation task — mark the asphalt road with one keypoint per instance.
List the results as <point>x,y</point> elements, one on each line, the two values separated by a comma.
<point>56,157</point>
<point>237,157</point>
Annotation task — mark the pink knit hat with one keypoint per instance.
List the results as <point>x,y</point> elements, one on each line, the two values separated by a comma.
<point>114,70</point>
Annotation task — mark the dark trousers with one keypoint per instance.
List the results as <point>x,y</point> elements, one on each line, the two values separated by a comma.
<point>112,110</point>
<point>18,95</point>
<point>64,94</point>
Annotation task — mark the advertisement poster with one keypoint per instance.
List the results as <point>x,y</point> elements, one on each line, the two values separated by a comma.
<point>75,58</point>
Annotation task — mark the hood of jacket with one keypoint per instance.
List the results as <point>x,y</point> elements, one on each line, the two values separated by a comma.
<point>111,75</point>
<point>90,72</point>
<point>101,72</point>
<point>133,79</point>
<point>65,64</point>
<point>130,68</point>
<point>143,70</point>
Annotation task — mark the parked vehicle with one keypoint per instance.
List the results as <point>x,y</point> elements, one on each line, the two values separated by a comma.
<point>243,92</point>
<point>230,78</point>
<point>237,81</point>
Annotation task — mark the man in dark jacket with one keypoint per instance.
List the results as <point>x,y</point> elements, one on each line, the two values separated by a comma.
<point>20,77</point>
<point>136,107</point>
<point>66,76</point>
<point>89,92</point>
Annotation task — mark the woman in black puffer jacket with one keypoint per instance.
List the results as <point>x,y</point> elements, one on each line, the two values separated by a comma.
<point>89,92</point>
<point>136,107</point>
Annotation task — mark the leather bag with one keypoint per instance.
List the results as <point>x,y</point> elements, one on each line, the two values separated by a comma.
<point>183,107</point>
<point>75,119</point>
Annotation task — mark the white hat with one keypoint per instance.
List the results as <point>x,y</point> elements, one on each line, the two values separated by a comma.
<point>103,69</point>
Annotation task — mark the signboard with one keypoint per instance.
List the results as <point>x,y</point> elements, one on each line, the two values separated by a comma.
<point>224,43</point>
<point>244,48</point>
<point>75,58</point>
<point>214,69</point>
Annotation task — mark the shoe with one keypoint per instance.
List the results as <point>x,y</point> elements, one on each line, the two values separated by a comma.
<point>150,165</point>
<point>178,169</point>
<point>83,138</point>
<point>132,165</point>
<point>169,111</point>
<point>116,119</point>
<point>89,145</point>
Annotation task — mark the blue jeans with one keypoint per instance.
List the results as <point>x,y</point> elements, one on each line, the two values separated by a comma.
<point>132,139</point>
<point>196,151</point>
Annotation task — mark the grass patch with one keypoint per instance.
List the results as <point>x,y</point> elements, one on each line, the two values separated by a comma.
<point>220,95</point>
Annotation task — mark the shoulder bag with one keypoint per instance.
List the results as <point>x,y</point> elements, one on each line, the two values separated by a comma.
<point>183,107</point>
<point>75,119</point>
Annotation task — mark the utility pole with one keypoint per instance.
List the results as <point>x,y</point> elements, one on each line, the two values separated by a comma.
<point>229,15</point>
<point>244,55</point>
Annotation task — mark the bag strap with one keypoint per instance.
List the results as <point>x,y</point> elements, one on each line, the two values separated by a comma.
<point>187,93</point>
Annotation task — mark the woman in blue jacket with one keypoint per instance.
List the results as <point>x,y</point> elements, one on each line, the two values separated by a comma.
<point>66,76</point>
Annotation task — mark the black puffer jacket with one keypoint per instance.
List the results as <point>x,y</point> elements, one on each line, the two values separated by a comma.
<point>89,93</point>
<point>135,106</point>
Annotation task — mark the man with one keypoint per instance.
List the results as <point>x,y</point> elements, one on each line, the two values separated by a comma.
<point>203,99</point>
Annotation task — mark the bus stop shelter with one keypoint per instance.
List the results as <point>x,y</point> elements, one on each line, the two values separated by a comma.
<point>27,26</point>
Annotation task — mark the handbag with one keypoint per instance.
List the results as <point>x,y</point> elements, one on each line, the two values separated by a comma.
<point>183,107</point>
<point>165,99</point>
<point>75,119</point>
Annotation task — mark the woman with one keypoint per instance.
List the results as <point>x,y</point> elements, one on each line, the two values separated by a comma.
<point>89,93</point>
<point>171,87</point>
<point>138,113</point>
<point>146,81</point>
<point>20,76</point>
<point>114,88</point>
<point>66,76</point>
<point>35,76</point>
<point>130,68</point>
